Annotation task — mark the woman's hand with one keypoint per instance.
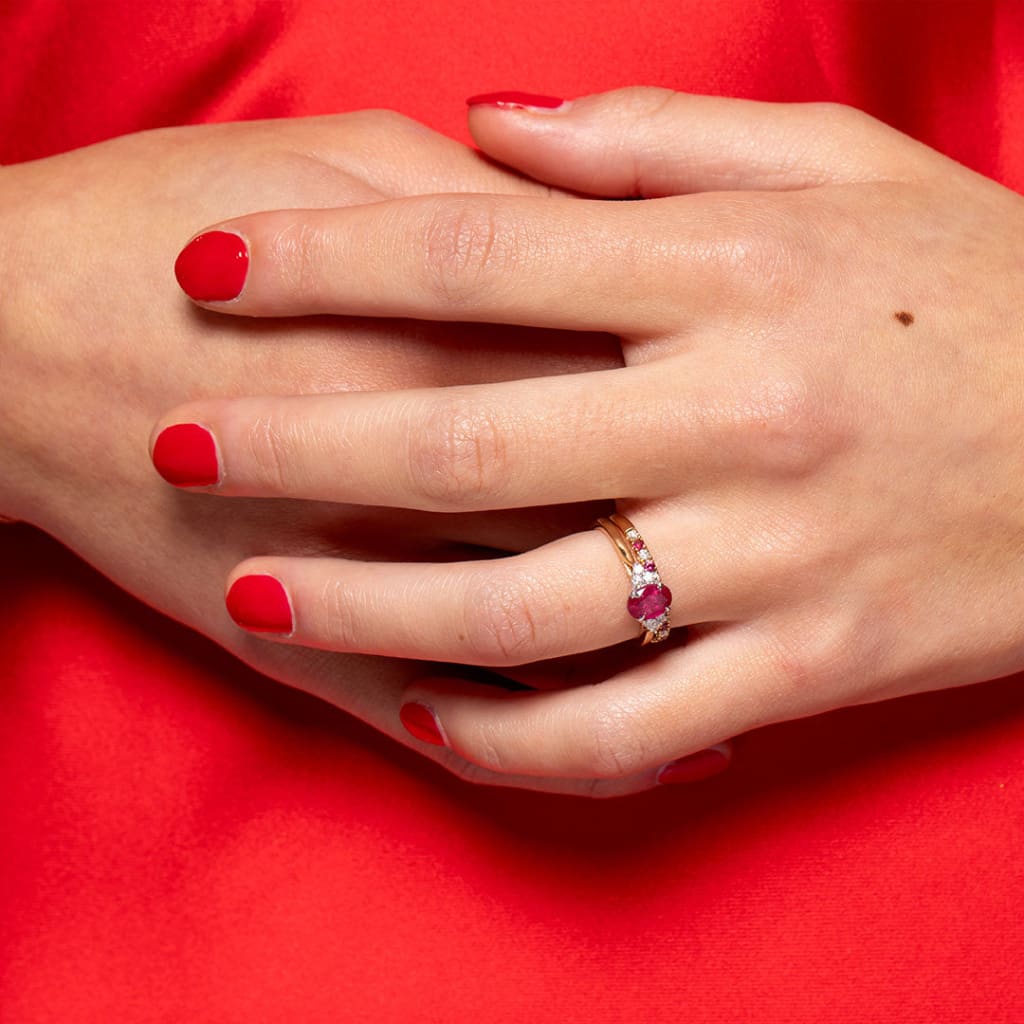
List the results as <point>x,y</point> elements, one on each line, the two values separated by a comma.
<point>96,340</point>
<point>819,428</point>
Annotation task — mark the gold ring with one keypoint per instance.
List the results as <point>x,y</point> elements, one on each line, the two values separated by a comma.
<point>650,601</point>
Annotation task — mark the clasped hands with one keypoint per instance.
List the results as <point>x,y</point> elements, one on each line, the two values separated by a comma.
<point>816,425</point>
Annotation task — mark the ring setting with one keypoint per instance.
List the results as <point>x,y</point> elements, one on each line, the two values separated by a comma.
<point>650,601</point>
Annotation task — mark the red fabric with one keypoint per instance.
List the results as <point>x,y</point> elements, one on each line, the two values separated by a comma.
<point>184,840</point>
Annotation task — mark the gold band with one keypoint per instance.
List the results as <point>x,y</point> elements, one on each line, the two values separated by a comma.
<point>650,601</point>
<point>615,527</point>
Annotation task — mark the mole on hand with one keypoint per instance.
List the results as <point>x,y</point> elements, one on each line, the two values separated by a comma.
<point>904,318</point>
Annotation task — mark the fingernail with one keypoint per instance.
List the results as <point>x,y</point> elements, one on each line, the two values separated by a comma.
<point>260,604</point>
<point>701,765</point>
<point>515,100</point>
<point>421,721</point>
<point>213,267</point>
<point>186,455</point>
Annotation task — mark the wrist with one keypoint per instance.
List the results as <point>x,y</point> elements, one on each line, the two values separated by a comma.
<point>26,370</point>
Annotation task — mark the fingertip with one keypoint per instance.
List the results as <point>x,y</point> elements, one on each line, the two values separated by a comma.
<point>213,267</point>
<point>452,712</point>
<point>543,137</point>
<point>259,603</point>
<point>511,99</point>
<point>702,765</point>
<point>421,722</point>
<point>186,455</point>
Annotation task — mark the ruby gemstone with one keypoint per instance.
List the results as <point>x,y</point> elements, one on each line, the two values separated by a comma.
<point>651,603</point>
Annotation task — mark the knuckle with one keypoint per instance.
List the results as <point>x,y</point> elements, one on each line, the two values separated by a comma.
<point>376,120</point>
<point>841,117</point>
<point>891,154</point>
<point>612,746</point>
<point>808,656</point>
<point>270,452</point>
<point>468,250</point>
<point>757,251</point>
<point>298,251</point>
<point>787,426</point>
<point>283,451</point>
<point>765,244</point>
<point>645,101</point>
<point>340,625</point>
<point>487,754</point>
<point>790,551</point>
<point>504,624</point>
<point>458,457</point>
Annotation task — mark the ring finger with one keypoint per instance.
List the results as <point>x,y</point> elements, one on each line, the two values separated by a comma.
<point>564,598</point>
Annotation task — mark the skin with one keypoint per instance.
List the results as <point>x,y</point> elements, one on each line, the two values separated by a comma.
<point>96,340</point>
<point>817,428</point>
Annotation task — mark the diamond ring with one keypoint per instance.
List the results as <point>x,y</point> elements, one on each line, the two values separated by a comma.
<point>650,601</point>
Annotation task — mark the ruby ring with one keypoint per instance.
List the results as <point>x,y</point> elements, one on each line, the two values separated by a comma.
<point>650,601</point>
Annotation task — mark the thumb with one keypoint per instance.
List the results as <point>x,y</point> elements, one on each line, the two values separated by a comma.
<point>650,142</point>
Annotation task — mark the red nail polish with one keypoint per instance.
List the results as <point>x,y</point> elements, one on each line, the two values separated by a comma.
<point>213,267</point>
<point>260,604</point>
<point>701,765</point>
<point>421,722</point>
<point>513,99</point>
<point>186,455</point>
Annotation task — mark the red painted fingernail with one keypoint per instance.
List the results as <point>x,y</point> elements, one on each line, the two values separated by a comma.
<point>213,267</point>
<point>260,604</point>
<point>186,455</point>
<point>421,722</point>
<point>514,99</point>
<point>701,765</point>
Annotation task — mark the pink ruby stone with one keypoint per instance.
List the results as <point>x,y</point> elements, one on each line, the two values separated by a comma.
<point>649,566</point>
<point>638,545</point>
<point>651,603</point>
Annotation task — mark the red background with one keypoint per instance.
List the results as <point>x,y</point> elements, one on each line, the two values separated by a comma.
<point>184,840</point>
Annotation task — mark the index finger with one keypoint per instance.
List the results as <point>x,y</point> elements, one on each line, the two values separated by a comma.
<point>626,268</point>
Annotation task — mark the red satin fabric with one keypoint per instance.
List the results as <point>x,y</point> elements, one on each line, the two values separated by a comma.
<point>184,840</point>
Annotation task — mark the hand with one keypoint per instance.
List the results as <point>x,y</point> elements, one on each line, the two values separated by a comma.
<point>818,429</point>
<point>97,339</point>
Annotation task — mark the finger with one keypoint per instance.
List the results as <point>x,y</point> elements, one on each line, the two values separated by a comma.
<point>690,769</point>
<point>567,597</point>
<point>372,689</point>
<point>630,727</point>
<point>394,154</point>
<point>624,268</point>
<point>514,444</point>
<point>655,142</point>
